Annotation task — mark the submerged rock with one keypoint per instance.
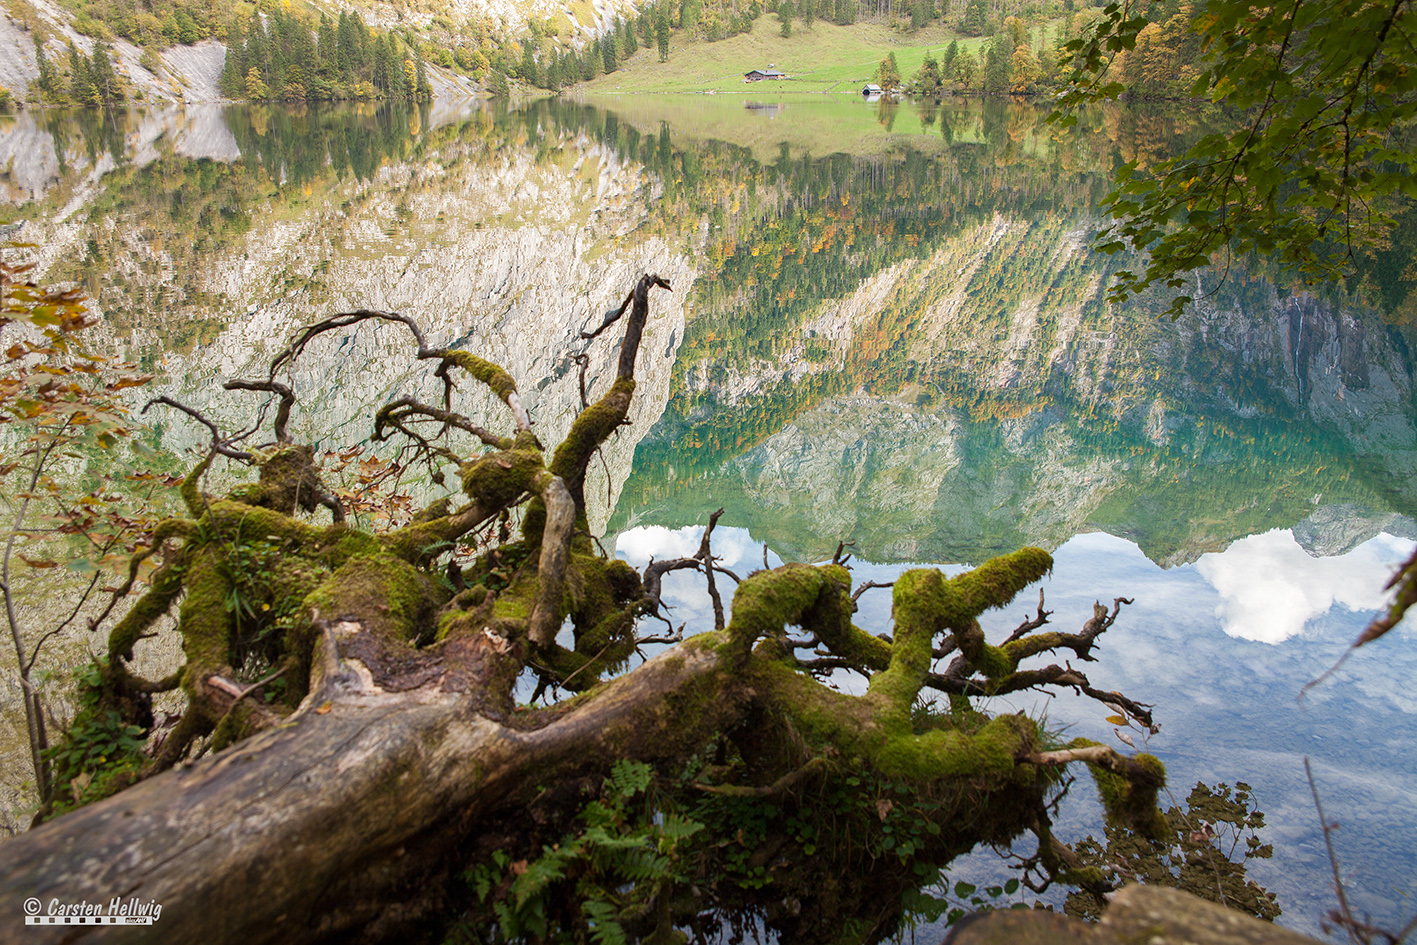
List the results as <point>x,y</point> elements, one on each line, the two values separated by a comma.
<point>1150,914</point>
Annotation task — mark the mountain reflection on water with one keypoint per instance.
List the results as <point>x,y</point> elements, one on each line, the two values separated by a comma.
<point>905,346</point>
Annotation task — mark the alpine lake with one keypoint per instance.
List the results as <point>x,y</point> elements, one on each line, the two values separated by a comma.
<point>887,328</point>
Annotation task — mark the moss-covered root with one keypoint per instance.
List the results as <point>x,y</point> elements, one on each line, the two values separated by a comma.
<point>924,603</point>
<point>591,428</point>
<point>768,602</point>
<point>494,482</point>
<point>493,376</point>
<point>831,622</point>
<point>165,587</point>
<point>191,488</point>
<point>395,601</point>
<point>289,481</point>
<point>1128,789</point>
<point>993,584</point>
<point>990,752</point>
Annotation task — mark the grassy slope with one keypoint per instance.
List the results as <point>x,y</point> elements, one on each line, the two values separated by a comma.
<point>828,58</point>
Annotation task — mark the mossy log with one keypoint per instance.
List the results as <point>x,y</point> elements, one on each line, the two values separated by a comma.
<point>338,806</point>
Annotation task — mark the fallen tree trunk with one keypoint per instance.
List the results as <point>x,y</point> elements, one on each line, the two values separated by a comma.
<point>344,806</point>
<point>339,820</point>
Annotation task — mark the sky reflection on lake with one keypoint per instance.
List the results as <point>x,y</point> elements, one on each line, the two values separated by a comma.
<point>1222,647</point>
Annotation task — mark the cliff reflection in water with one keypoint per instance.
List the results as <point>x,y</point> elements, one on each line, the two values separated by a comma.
<point>915,353</point>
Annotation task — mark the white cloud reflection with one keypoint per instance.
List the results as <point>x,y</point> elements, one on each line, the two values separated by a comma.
<point>731,546</point>
<point>684,592</point>
<point>1270,587</point>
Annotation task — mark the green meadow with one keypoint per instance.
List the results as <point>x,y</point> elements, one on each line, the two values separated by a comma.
<point>826,58</point>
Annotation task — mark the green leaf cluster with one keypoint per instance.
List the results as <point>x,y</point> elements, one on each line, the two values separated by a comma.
<point>616,873</point>
<point>99,753</point>
<point>1319,158</point>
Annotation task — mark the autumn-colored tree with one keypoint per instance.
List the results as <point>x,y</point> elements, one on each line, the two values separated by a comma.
<point>888,73</point>
<point>256,89</point>
<point>1024,71</point>
<point>58,400</point>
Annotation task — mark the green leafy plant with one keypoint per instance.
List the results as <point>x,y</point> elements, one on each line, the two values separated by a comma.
<point>619,869</point>
<point>1315,162</point>
<point>99,752</point>
<point>954,901</point>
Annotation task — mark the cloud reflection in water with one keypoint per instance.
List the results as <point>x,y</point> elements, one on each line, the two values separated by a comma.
<point>1270,587</point>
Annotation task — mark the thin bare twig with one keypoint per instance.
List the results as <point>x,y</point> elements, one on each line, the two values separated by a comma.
<point>867,586</point>
<point>287,401</point>
<point>1328,843</point>
<point>1029,625</point>
<point>220,446</point>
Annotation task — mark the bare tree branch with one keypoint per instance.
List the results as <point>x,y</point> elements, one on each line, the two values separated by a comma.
<point>219,445</point>
<point>287,400</point>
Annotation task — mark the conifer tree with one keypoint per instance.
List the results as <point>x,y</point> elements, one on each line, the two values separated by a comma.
<point>81,87</point>
<point>997,63</point>
<point>107,88</point>
<point>233,71</point>
<point>423,89</point>
<point>976,18</point>
<point>47,84</point>
<point>346,43</point>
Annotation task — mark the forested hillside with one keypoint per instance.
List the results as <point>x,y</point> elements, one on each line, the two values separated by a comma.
<point>103,51</point>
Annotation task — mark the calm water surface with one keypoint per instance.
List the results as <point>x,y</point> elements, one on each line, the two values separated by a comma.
<point>886,329</point>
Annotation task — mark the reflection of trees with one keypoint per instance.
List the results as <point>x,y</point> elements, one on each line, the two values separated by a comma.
<point>886,110</point>
<point>1207,485</point>
<point>301,145</point>
<point>192,209</point>
<point>93,132</point>
<point>1147,134</point>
